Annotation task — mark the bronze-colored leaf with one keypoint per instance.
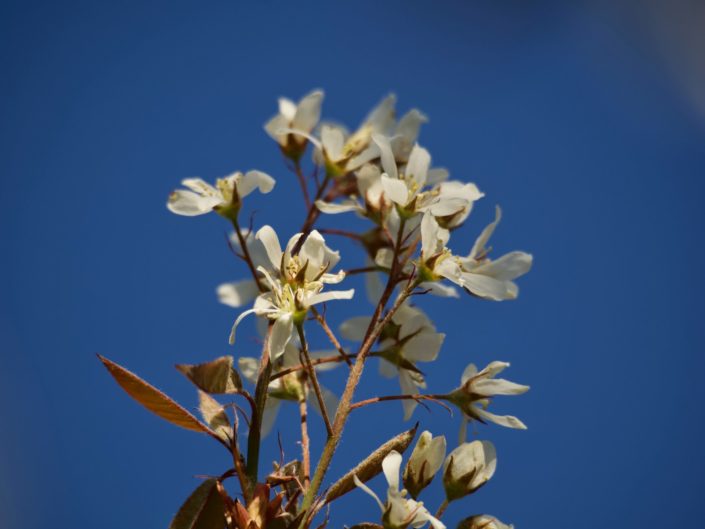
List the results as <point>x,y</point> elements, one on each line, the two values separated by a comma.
<point>218,376</point>
<point>215,416</point>
<point>153,399</point>
<point>371,465</point>
<point>367,525</point>
<point>203,509</point>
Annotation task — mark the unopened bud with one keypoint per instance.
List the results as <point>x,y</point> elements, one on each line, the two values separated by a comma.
<point>483,521</point>
<point>424,462</point>
<point>468,467</point>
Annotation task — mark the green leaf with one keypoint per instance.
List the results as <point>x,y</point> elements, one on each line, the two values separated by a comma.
<point>204,509</point>
<point>215,416</point>
<point>153,399</point>
<point>218,376</point>
<point>371,465</point>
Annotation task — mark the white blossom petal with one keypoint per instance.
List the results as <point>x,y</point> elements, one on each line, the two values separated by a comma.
<point>395,189</point>
<point>498,386</point>
<point>508,421</point>
<point>237,293</point>
<point>281,334</point>
<point>418,164</point>
<point>389,164</point>
<point>308,111</point>
<point>391,465</point>
<point>268,237</point>
<point>342,207</point>
<point>190,204</point>
<point>330,295</point>
<point>252,180</point>
<point>368,490</point>
<point>355,328</point>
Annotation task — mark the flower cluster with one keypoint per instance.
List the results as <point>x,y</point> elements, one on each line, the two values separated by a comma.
<point>380,173</point>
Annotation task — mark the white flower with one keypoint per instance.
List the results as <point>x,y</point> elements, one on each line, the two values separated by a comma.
<point>224,198</point>
<point>291,387</point>
<point>476,273</point>
<point>424,462</point>
<point>406,186</point>
<point>399,512</point>
<point>295,283</point>
<point>409,338</point>
<point>477,388</point>
<point>468,467</point>
<point>238,293</point>
<point>483,521</point>
<point>302,117</point>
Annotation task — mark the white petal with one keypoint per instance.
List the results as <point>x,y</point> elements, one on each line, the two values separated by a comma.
<point>389,165</point>
<point>407,388</point>
<point>237,322</point>
<point>410,125</point>
<point>437,175</point>
<point>418,164</point>
<point>201,187</point>
<point>330,295</point>
<point>274,127</point>
<point>237,293</point>
<point>308,112</point>
<point>333,140</point>
<point>268,237</point>
<point>255,179</point>
<point>439,289</point>
<point>342,207</point>
<point>387,369</point>
<point>508,267</point>
<point>395,189</point>
<point>391,465</point>
<point>381,118</point>
<point>287,108</point>
<point>355,328</point>
<point>508,421</point>
<point>498,386</point>
<point>469,372</point>
<point>249,367</point>
<point>281,334</point>
<point>384,258</point>
<point>424,347</point>
<point>190,204</point>
<point>488,287</point>
<point>373,286</point>
<point>269,415</point>
<point>368,490</point>
<point>481,242</point>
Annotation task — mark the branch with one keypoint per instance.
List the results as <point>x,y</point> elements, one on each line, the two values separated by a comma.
<point>305,444</point>
<point>417,397</point>
<point>314,379</point>
<point>253,439</point>
<point>246,255</point>
<point>314,362</point>
<point>331,336</point>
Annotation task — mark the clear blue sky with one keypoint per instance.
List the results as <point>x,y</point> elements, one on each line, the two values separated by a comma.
<point>571,118</point>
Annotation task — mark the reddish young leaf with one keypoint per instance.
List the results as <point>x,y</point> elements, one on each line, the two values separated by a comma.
<point>153,399</point>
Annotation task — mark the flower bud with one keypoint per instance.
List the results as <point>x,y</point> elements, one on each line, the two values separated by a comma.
<point>483,521</point>
<point>424,462</point>
<point>468,467</point>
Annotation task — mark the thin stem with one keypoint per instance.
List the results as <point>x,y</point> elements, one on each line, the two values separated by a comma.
<point>314,379</point>
<point>314,362</point>
<point>305,443</point>
<point>237,463</point>
<point>302,182</point>
<point>312,215</point>
<point>442,508</point>
<point>253,439</point>
<point>246,254</point>
<point>365,270</point>
<point>331,336</point>
<point>341,416</point>
<point>417,397</point>
<point>342,233</point>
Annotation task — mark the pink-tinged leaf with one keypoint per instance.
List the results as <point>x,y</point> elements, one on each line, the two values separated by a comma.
<point>204,509</point>
<point>153,399</point>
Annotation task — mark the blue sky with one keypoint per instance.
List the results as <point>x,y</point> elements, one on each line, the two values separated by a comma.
<point>569,117</point>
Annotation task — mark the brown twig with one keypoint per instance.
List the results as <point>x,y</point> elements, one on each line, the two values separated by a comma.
<point>246,255</point>
<point>342,233</point>
<point>417,397</point>
<point>314,379</point>
<point>314,362</point>
<point>305,443</point>
<point>302,182</point>
<point>331,336</point>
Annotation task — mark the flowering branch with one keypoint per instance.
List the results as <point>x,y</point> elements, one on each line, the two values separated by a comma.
<point>382,174</point>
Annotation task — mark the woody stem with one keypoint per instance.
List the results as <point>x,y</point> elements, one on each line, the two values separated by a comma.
<point>314,379</point>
